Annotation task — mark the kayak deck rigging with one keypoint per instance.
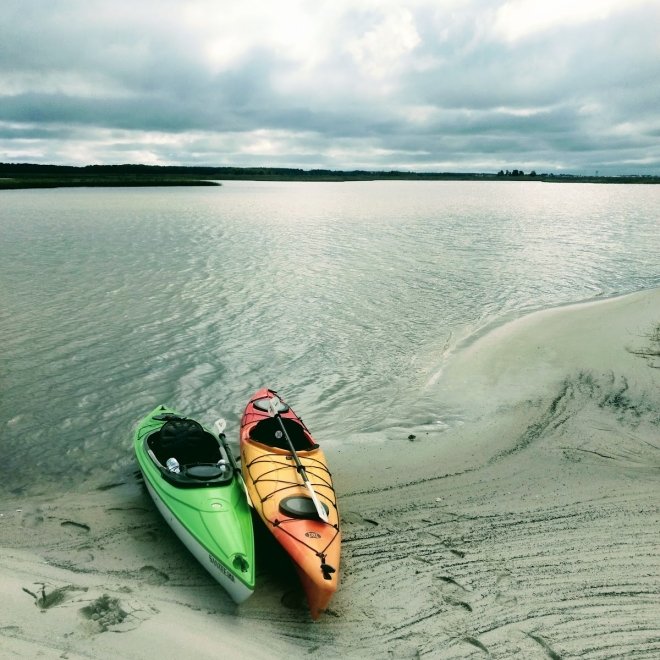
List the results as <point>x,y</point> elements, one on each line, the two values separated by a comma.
<point>292,518</point>
<point>284,461</point>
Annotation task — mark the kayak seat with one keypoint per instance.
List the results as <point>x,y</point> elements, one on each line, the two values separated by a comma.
<point>187,441</point>
<point>267,431</point>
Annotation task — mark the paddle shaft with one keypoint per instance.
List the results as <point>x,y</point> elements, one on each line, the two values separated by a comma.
<point>301,469</point>
<point>232,461</point>
<point>230,456</point>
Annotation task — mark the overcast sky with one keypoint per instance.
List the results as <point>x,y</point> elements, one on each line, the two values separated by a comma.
<point>437,85</point>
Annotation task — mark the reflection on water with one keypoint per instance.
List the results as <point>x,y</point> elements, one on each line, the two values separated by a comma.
<point>344,296</point>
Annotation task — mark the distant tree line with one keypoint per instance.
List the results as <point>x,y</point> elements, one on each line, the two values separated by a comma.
<point>516,173</point>
<point>32,175</point>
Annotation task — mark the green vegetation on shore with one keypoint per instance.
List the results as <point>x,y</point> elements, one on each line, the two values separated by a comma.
<point>26,175</point>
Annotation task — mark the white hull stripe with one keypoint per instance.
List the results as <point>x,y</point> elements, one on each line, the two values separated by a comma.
<point>236,589</point>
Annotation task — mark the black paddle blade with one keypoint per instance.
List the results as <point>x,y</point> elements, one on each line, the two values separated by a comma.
<point>167,417</point>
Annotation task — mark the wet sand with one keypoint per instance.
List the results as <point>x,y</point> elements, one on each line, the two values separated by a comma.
<point>530,530</point>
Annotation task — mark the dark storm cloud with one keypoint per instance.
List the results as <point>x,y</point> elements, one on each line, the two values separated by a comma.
<point>452,85</point>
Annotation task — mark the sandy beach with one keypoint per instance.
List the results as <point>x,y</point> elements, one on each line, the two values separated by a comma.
<point>531,529</point>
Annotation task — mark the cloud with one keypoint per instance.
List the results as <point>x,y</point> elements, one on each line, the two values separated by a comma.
<point>519,19</point>
<point>382,48</point>
<point>461,84</point>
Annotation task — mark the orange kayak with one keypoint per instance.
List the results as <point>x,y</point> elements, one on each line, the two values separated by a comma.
<point>274,476</point>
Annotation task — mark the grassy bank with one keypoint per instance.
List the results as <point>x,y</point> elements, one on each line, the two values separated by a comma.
<point>15,176</point>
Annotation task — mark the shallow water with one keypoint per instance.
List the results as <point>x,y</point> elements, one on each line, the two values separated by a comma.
<point>346,297</point>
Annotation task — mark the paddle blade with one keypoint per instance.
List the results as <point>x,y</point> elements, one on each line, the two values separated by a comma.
<point>220,425</point>
<point>320,510</point>
<point>273,406</point>
<point>245,490</point>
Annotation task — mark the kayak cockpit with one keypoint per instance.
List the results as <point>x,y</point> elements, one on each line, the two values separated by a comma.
<point>269,432</point>
<point>299,506</point>
<point>188,456</point>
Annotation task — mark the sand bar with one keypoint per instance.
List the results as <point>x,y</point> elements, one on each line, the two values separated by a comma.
<point>530,530</point>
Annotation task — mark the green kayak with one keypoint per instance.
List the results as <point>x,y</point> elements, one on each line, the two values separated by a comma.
<point>193,479</point>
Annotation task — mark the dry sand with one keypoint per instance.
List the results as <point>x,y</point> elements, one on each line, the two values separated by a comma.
<point>531,530</point>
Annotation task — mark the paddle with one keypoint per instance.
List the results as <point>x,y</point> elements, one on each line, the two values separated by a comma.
<point>220,425</point>
<point>272,408</point>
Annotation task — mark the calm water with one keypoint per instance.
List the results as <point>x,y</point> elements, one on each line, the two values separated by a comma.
<point>346,297</point>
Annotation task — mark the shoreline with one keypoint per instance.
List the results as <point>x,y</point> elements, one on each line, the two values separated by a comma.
<point>528,530</point>
<point>546,327</point>
<point>16,176</point>
<point>23,184</point>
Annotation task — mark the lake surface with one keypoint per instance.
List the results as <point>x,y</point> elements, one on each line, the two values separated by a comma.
<point>346,297</point>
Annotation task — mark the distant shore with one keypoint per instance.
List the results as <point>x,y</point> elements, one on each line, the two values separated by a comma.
<point>26,175</point>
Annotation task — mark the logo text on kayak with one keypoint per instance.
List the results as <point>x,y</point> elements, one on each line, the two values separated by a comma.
<point>221,568</point>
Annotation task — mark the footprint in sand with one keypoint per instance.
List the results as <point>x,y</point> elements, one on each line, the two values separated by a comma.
<point>454,593</point>
<point>72,524</point>
<point>151,575</point>
<point>84,556</point>
<point>451,546</point>
<point>505,586</point>
<point>32,518</point>
<point>543,643</point>
<point>146,535</point>
<point>473,641</point>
